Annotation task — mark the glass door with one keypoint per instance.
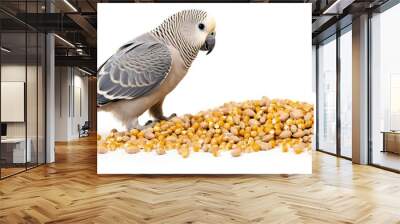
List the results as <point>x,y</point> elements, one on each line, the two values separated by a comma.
<point>385,89</point>
<point>327,96</point>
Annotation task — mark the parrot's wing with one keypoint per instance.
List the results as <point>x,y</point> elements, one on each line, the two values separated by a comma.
<point>134,71</point>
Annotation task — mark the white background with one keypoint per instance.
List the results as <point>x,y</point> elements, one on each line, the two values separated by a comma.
<point>261,50</point>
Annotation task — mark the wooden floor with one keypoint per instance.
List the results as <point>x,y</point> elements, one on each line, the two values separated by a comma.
<point>10,171</point>
<point>70,191</point>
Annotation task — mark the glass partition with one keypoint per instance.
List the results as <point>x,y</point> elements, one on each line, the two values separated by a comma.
<point>22,101</point>
<point>346,93</point>
<point>385,89</point>
<point>31,98</point>
<point>327,96</point>
<point>33,72</point>
<point>13,94</point>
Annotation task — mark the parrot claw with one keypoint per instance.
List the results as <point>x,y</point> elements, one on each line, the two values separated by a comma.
<point>148,122</point>
<point>171,116</point>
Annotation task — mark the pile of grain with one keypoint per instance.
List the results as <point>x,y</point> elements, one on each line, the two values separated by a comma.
<point>244,127</point>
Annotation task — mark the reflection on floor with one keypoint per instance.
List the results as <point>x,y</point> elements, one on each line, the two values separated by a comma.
<point>11,169</point>
<point>70,191</point>
<point>387,159</point>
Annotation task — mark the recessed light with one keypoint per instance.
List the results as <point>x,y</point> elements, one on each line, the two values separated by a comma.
<point>84,71</point>
<point>64,40</point>
<point>5,50</point>
<point>70,5</point>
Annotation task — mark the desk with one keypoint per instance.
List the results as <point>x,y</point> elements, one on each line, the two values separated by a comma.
<point>16,147</point>
<point>391,141</point>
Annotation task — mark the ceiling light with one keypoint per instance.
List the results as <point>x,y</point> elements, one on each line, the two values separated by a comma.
<point>70,5</point>
<point>5,50</point>
<point>64,40</point>
<point>84,71</point>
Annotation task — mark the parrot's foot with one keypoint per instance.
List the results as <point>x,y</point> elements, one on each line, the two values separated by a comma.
<point>171,116</point>
<point>151,123</point>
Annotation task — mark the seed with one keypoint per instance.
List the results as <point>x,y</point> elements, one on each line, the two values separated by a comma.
<point>296,114</point>
<point>102,147</point>
<point>249,112</point>
<point>308,116</point>
<point>184,151</point>
<point>285,134</point>
<point>285,147</point>
<point>283,116</point>
<point>131,149</point>
<point>160,151</point>
<point>236,152</point>
<point>293,128</point>
<point>215,151</point>
<point>298,134</point>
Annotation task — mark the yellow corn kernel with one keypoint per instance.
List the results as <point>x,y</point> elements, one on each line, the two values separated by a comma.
<point>255,147</point>
<point>184,152</point>
<point>196,147</point>
<point>284,147</point>
<point>298,150</point>
<point>273,143</point>
<point>215,151</point>
<point>134,132</point>
<point>148,147</point>
<point>140,134</point>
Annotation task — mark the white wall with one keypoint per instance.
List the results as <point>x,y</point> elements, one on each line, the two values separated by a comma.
<point>69,82</point>
<point>61,103</point>
<point>79,117</point>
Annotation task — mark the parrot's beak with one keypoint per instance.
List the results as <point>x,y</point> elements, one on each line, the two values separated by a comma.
<point>209,43</point>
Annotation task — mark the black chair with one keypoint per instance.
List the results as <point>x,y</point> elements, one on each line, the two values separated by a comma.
<point>84,130</point>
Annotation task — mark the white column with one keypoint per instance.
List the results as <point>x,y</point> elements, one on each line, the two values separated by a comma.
<point>50,92</point>
<point>50,99</point>
<point>360,90</point>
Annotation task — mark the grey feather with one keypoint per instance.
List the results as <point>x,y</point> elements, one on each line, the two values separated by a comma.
<point>135,70</point>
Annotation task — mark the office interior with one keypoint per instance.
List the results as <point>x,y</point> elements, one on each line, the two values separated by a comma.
<point>334,61</point>
<point>47,92</point>
<point>48,120</point>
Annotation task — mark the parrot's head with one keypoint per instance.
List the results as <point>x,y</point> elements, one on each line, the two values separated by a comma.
<point>205,32</point>
<point>195,26</point>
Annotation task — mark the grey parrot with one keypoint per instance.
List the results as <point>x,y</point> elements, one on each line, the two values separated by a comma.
<point>142,72</point>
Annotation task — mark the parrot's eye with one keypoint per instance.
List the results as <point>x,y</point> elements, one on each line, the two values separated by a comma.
<point>201,26</point>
